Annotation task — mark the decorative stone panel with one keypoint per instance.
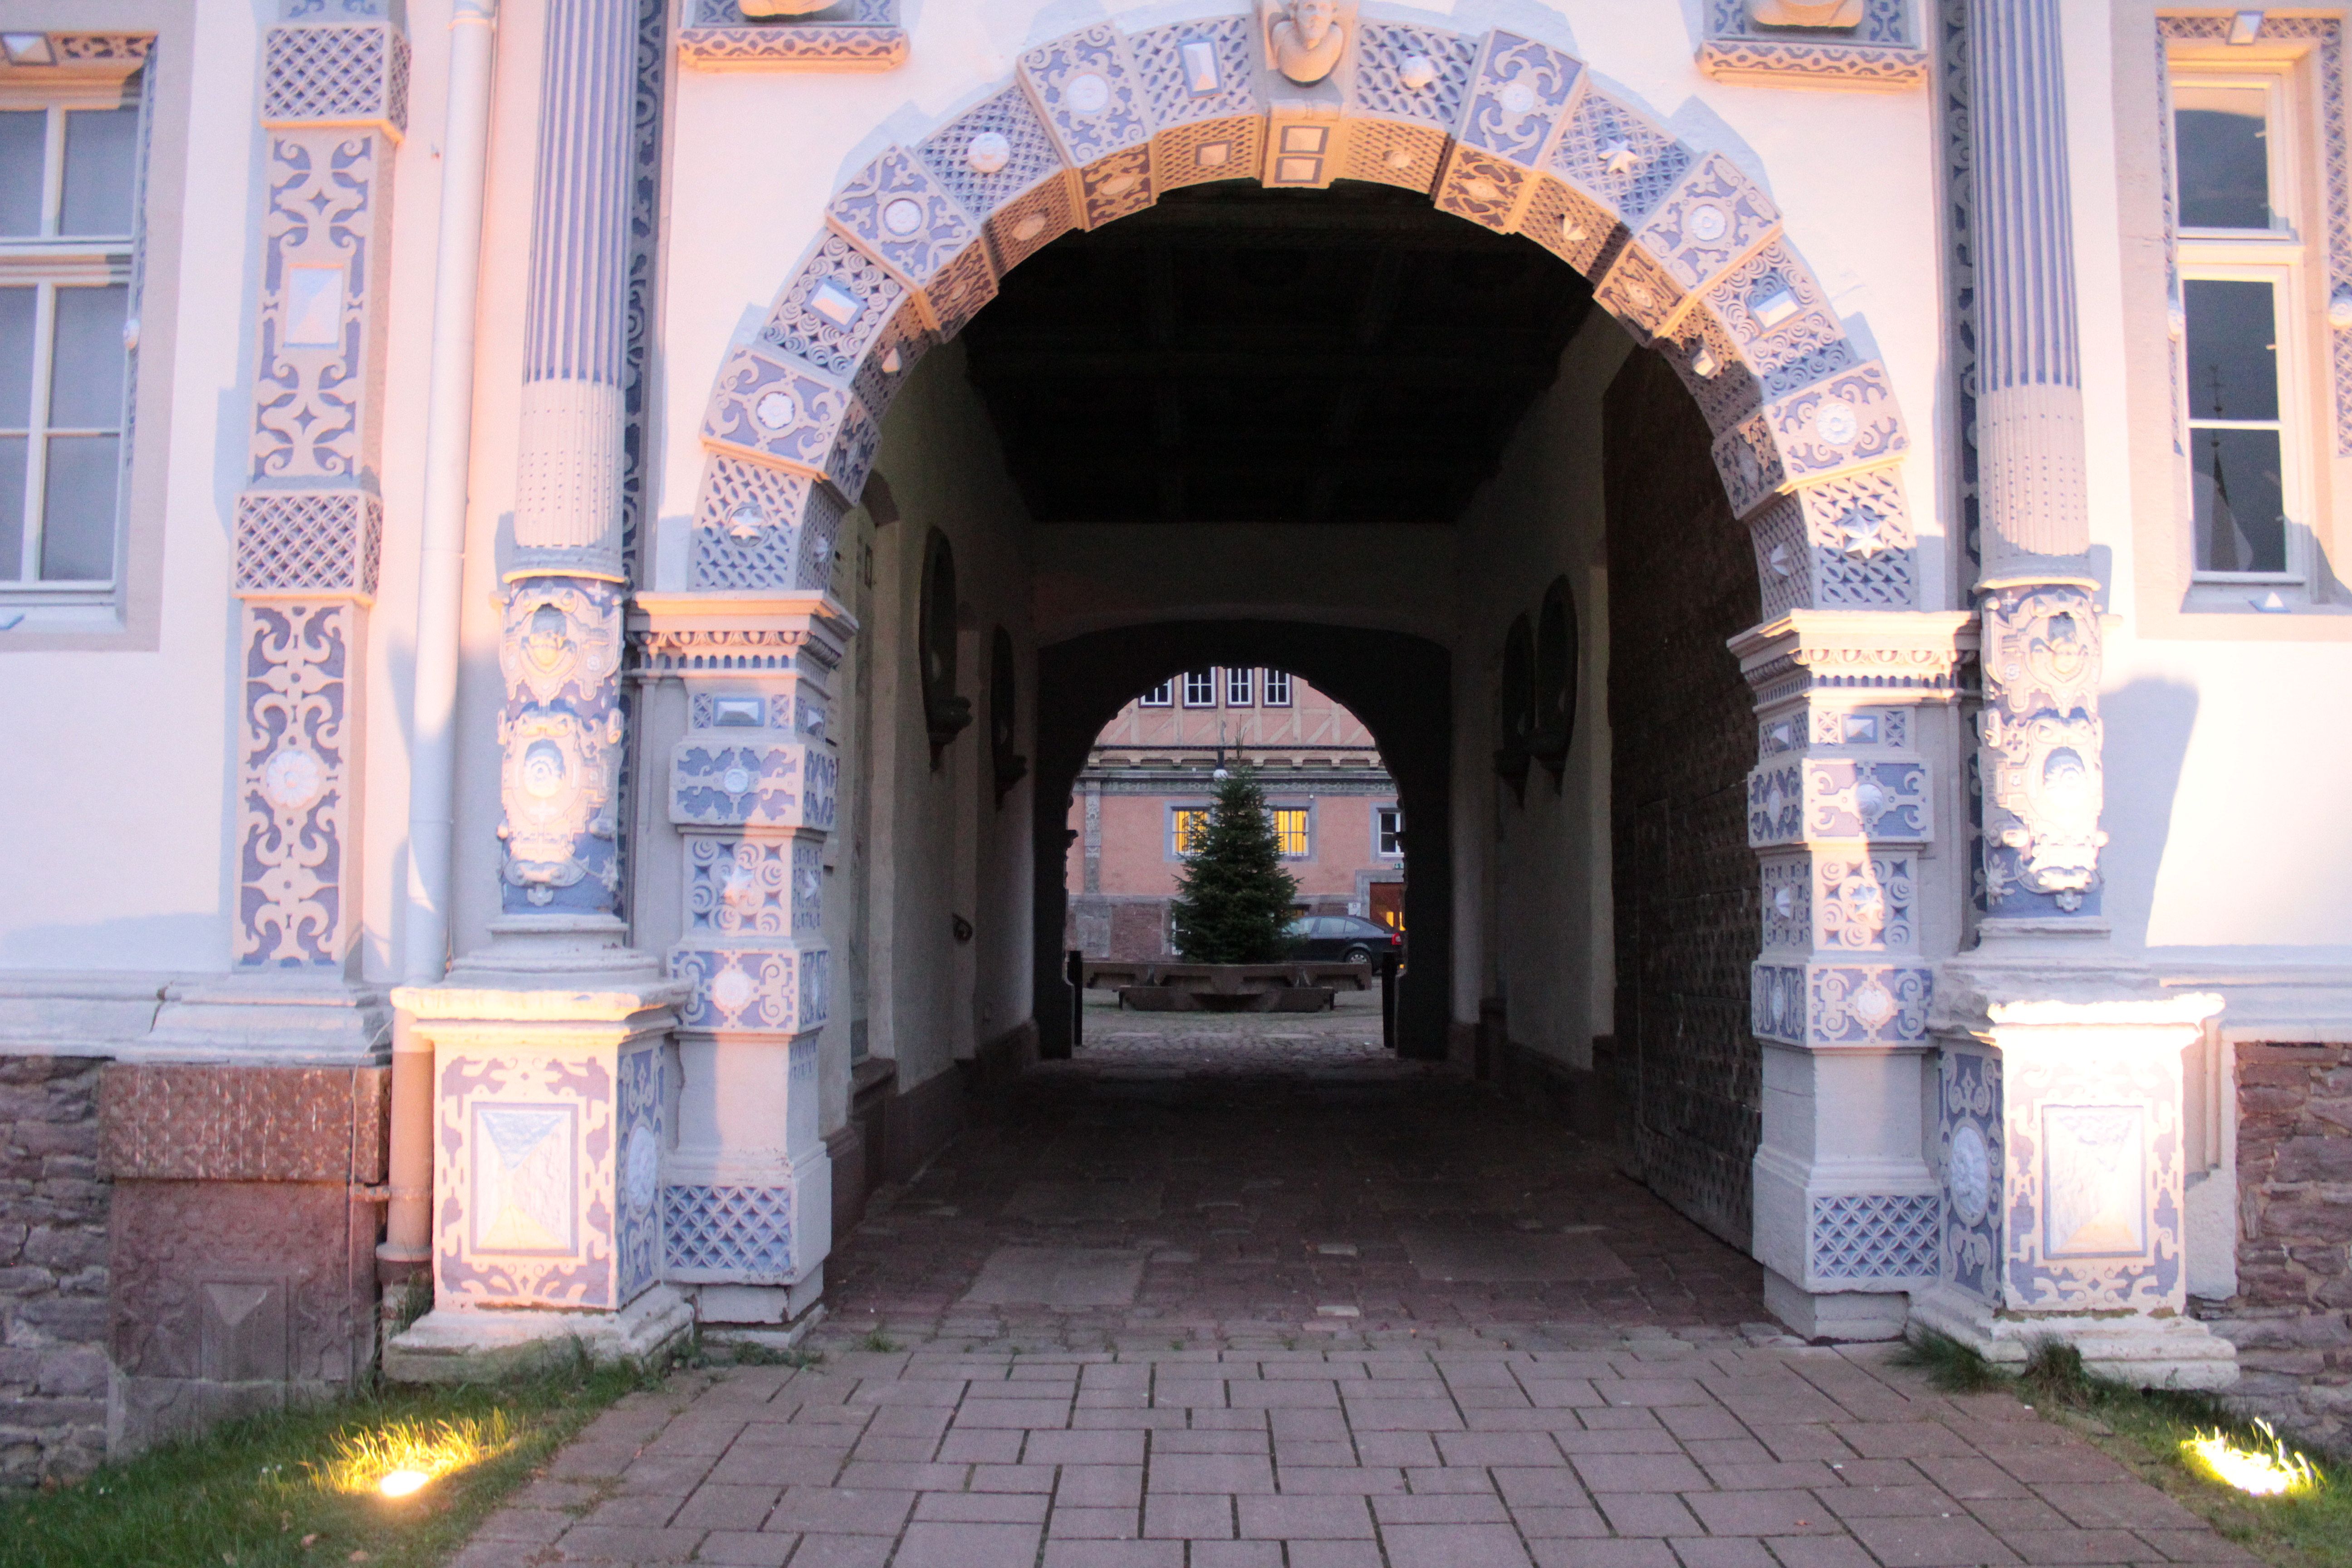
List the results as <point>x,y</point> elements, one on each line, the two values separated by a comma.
<point>191,1123</point>
<point>298,783</point>
<point>1517,98</point>
<point>1091,94</point>
<point>355,74</point>
<point>308,541</point>
<point>1848,420</point>
<point>1969,1150</point>
<point>1869,46</point>
<point>751,784</point>
<point>1878,1237</point>
<point>724,1234</point>
<point>2044,784</point>
<point>242,1268</point>
<point>855,36</point>
<point>560,737</point>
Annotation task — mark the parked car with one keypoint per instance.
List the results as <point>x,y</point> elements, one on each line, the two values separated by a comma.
<point>1344,938</point>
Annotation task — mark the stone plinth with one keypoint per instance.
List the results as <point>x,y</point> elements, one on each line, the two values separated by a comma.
<point>548,1072</point>
<point>2060,1141</point>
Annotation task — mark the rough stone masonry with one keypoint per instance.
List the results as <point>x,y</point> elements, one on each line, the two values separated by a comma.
<point>53,1273</point>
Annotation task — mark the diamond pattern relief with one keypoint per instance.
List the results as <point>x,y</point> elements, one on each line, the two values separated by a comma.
<point>735,1231</point>
<point>336,74</point>
<point>1876,1236</point>
<point>308,542</point>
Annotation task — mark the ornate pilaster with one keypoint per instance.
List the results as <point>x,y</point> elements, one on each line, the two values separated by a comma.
<point>2041,767</point>
<point>1855,742</point>
<point>751,791</point>
<point>308,530</point>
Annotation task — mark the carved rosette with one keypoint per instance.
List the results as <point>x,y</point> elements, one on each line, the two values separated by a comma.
<point>559,744</point>
<point>2043,775</point>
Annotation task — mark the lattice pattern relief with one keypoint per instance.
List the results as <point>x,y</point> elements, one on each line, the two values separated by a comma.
<point>336,75</point>
<point>1204,150</point>
<point>1394,152</point>
<point>308,541</point>
<point>1613,151</point>
<point>1384,51</point>
<point>747,532</point>
<point>719,36</point>
<point>990,154</point>
<point>733,1232</point>
<point>1878,53</point>
<point>1876,1236</point>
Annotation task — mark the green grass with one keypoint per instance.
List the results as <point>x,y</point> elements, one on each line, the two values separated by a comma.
<point>295,1488</point>
<point>2146,1430</point>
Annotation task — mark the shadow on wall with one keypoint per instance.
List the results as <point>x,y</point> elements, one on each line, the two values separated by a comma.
<point>2148,725</point>
<point>1400,686</point>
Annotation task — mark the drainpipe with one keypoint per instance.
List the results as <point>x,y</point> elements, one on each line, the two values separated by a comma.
<point>440,591</point>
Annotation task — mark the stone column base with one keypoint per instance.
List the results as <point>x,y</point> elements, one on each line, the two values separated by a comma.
<point>2144,1352</point>
<point>483,1344</point>
<point>1851,1316</point>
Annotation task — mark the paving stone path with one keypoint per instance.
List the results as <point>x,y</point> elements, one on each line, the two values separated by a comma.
<point>1654,1453</point>
<point>1251,1294</point>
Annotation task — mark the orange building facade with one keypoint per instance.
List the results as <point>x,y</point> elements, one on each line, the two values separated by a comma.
<point>1150,781</point>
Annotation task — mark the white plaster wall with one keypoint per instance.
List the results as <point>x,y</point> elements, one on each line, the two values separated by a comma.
<point>2228,842</point>
<point>1544,863</point>
<point>941,845</point>
<point>115,765</point>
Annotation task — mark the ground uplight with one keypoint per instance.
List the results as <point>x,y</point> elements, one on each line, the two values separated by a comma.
<point>2275,1471</point>
<point>402,1483</point>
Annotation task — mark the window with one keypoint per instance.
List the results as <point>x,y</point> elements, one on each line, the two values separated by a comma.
<point>1200,688</point>
<point>1290,831</point>
<point>1161,696</point>
<point>1189,827</point>
<point>68,175</point>
<point>1277,688</point>
<point>1241,688</point>
<point>2245,360</point>
<point>1387,830</point>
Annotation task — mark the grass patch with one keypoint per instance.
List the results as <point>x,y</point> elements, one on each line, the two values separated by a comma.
<point>299,1487</point>
<point>2167,1436</point>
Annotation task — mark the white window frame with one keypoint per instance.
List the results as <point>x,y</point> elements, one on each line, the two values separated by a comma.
<point>1161,696</point>
<point>1204,681</point>
<point>1241,688</point>
<point>49,262</point>
<point>1380,834</point>
<point>1275,680</point>
<point>1176,810</point>
<point>2283,256</point>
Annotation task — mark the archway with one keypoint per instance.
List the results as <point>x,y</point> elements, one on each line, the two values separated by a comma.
<point>1681,245</point>
<point>1400,686</point>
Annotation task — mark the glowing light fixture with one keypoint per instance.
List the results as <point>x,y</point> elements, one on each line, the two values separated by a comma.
<point>2257,1472</point>
<point>402,1483</point>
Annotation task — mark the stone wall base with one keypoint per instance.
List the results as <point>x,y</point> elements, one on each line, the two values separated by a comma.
<point>486,1343</point>
<point>2145,1351</point>
<point>53,1270</point>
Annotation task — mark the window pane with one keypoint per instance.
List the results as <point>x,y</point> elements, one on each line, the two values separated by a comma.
<point>2241,521</point>
<point>101,154</point>
<point>2232,350</point>
<point>24,135</point>
<point>78,510</point>
<point>2225,165</point>
<point>86,383</point>
<point>16,307</point>
<point>12,507</point>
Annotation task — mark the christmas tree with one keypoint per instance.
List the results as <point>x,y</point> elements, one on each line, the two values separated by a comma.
<point>1233,900</point>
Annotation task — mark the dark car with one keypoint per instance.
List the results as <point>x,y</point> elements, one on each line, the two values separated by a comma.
<point>1343,938</point>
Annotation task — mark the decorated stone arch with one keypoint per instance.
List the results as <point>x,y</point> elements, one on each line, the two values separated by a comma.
<point>1502,129</point>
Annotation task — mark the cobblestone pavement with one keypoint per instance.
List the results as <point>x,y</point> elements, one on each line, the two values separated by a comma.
<point>1693,1452</point>
<point>1247,1293</point>
<point>1271,1174</point>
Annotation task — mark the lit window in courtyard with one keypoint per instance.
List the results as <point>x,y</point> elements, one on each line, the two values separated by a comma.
<point>1290,831</point>
<point>1191,826</point>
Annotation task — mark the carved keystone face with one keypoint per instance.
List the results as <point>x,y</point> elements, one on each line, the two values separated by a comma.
<point>1314,19</point>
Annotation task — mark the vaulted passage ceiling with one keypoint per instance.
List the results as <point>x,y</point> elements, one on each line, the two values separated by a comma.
<point>1236,354</point>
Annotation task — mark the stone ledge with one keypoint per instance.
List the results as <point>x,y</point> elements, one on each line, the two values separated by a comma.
<point>486,1345</point>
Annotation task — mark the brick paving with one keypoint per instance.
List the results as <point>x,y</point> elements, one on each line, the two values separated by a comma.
<point>1445,1450</point>
<point>1211,1414</point>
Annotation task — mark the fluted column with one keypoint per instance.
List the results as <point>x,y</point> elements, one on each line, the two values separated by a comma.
<point>560,733</point>
<point>2042,774</point>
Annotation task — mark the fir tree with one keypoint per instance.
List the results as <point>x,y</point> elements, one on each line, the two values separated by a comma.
<point>1233,901</point>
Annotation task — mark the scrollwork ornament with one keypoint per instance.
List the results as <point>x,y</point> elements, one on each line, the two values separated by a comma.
<point>2043,739</point>
<point>560,739</point>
